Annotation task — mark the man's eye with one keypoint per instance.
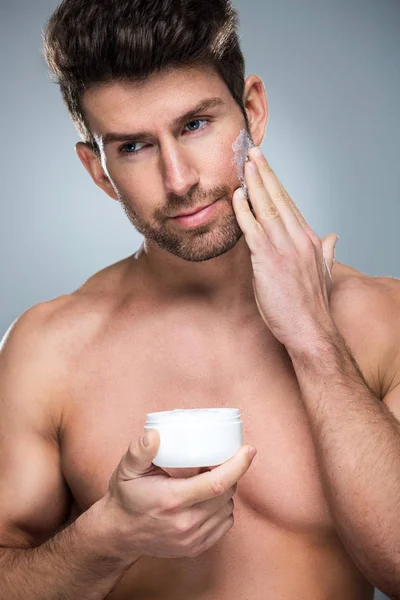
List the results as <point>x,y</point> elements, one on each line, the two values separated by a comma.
<point>131,148</point>
<point>134,147</point>
<point>194,125</point>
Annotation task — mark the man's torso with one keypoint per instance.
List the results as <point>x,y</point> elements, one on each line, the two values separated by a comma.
<point>133,358</point>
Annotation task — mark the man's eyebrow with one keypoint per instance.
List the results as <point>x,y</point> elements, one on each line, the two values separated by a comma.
<point>204,105</point>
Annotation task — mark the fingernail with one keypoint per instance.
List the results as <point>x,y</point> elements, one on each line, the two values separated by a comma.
<point>252,452</point>
<point>145,440</point>
<point>239,193</point>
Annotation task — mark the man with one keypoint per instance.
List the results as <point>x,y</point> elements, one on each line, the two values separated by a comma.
<point>200,316</point>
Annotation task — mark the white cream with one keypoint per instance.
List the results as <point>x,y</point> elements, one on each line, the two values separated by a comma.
<point>200,437</point>
<point>241,147</point>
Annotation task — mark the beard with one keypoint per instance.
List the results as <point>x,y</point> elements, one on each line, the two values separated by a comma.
<point>195,244</point>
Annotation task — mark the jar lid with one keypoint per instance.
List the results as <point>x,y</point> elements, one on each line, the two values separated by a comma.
<point>180,415</point>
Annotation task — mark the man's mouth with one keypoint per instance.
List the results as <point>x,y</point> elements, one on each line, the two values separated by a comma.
<point>197,216</point>
<point>192,211</point>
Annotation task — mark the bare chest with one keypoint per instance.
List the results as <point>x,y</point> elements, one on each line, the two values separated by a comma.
<point>114,388</point>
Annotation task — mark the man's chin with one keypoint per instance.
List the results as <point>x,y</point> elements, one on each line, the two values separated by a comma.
<point>203,246</point>
<point>197,244</point>
<point>206,254</point>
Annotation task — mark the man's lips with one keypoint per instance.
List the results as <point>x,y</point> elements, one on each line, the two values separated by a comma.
<point>192,211</point>
<point>197,217</point>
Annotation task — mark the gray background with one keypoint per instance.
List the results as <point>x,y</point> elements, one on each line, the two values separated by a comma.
<point>331,71</point>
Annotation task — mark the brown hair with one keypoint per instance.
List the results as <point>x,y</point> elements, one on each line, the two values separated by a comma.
<point>89,42</point>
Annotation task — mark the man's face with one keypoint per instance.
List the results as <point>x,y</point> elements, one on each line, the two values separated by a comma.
<point>162,163</point>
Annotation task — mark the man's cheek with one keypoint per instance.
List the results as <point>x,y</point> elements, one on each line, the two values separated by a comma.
<point>240,148</point>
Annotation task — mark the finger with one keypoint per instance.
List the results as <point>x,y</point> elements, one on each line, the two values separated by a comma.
<point>328,278</point>
<point>328,249</point>
<point>213,521</point>
<point>279,195</point>
<point>214,536</point>
<point>264,208</point>
<point>252,229</point>
<point>204,510</point>
<point>213,483</point>
<point>138,459</point>
<point>291,214</point>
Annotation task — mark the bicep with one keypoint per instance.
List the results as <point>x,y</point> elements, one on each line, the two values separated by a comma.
<point>34,498</point>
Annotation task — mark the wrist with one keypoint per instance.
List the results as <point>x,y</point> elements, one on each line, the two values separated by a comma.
<point>102,528</point>
<point>321,341</point>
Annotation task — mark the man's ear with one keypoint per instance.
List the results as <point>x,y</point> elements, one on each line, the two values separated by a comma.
<point>93,166</point>
<point>256,105</point>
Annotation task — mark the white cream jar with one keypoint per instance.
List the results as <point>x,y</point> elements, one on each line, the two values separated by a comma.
<point>200,437</point>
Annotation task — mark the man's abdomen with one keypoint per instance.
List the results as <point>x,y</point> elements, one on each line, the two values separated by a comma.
<point>256,560</point>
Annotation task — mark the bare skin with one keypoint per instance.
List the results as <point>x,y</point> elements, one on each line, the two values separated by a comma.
<point>105,342</point>
<point>153,333</point>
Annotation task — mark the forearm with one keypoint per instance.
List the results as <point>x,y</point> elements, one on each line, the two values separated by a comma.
<point>78,562</point>
<point>357,440</point>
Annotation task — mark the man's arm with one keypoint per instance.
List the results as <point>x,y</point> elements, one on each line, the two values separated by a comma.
<point>357,437</point>
<point>79,561</point>
<point>75,563</point>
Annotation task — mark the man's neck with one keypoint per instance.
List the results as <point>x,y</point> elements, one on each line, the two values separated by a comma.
<point>225,281</point>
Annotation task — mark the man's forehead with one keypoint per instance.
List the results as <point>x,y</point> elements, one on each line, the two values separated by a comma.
<point>168,94</point>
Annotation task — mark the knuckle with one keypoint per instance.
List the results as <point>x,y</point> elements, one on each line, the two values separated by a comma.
<point>258,182</point>
<point>194,552</point>
<point>183,524</point>
<point>280,196</point>
<point>187,546</point>
<point>269,212</point>
<point>170,503</point>
<point>259,235</point>
<point>315,239</point>
<point>307,243</point>
<point>217,487</point>
<point>265,168</point>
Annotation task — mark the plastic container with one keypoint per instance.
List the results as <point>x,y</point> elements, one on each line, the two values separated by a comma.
<point>200,437</point>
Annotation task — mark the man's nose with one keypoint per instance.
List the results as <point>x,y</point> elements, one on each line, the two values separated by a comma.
<point>179,173</point>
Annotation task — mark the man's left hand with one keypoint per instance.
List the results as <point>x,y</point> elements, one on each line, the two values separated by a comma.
<point>291,265</point>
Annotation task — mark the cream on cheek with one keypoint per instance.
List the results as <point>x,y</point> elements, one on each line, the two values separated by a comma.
<point>241,147</point>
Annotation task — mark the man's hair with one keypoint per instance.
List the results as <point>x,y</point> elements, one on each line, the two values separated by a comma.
<point>91,42</point>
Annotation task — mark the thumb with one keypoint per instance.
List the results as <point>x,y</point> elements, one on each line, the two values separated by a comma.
<point>138,459</point>
<point>328,247</point>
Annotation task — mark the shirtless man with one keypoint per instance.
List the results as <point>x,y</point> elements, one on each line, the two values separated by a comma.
<point>200,316</point>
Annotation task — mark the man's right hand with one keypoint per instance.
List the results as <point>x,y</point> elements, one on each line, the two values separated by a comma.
<point>157,515</point>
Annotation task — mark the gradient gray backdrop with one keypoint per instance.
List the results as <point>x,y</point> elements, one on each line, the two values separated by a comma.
<point>332,75</point>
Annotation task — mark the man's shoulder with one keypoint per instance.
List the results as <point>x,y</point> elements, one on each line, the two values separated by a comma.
<point>355,293</point>
<point>43,350</point>
<point>32,327</point>
<point>34,350</point>
<point>366,310</point>
<point>54,329</point>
